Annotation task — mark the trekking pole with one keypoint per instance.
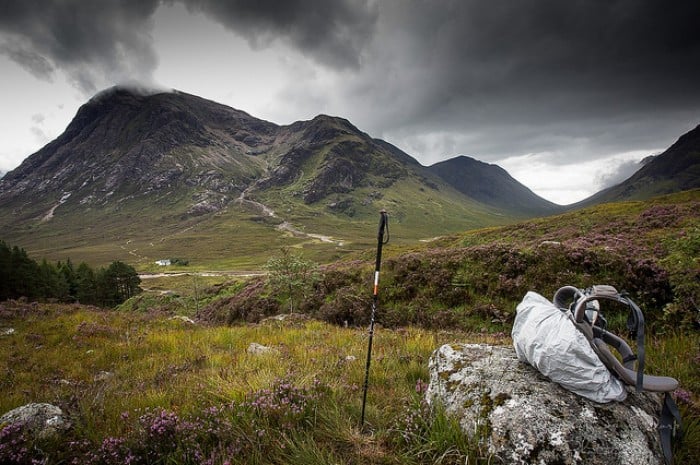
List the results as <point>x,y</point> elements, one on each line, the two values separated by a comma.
<point>383,224</point>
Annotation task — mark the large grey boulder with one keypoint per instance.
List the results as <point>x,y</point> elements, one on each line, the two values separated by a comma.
<point>517,416</point>
<point>43,420</point>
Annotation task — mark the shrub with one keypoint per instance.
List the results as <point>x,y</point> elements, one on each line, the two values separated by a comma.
<point>290,277</point>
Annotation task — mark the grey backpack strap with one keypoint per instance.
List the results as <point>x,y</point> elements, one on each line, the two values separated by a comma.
<point>670,427</point>
<point>635,325</point>
<point>670,418</point>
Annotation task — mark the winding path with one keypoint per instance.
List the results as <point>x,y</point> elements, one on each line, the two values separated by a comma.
<point>284,225</point>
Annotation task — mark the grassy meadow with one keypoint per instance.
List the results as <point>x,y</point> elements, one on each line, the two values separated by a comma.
<point>115,372</point>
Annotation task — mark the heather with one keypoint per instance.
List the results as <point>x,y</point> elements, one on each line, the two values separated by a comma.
<point>474,281</point>
<point>146,388</point>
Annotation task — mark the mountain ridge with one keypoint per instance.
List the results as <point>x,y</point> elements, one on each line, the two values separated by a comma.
<point>675,169</point>
<point>196,123</point>
<point>149,174</point>
<point>195,170</point>
<point>491,184</point>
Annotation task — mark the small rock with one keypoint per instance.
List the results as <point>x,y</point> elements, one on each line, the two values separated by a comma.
<point>43,420</point>
<point>183,319</point>
<point>7,331</point>
<point>103,376</point>
<point>258,349</point>
<point>286,317</point>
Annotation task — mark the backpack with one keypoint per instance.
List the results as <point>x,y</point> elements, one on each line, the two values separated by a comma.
<point>544,337</point>
<point>583,308</point>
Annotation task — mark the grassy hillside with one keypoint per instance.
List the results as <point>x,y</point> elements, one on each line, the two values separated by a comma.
<point>243,238</point>
<point>649,249</point>
<point>136,381</point>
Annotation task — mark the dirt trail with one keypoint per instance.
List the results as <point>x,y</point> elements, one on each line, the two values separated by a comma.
<point>241,274</point>
<point>284,225</point>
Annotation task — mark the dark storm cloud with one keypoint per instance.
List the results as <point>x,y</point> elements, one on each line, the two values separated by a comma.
<point>33,62</point>
<point>648,51</point>
<point>93,42</point>
<point>544,70</point>
<point>333,33</point>
<point>100,43</point>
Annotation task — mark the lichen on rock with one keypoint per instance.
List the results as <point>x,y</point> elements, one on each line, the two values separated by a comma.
<point>520,417</point>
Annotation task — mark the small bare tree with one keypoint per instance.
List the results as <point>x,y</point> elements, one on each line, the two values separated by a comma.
<point>291,277</point>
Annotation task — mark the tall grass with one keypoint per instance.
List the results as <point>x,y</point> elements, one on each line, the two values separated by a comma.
<point>108,369</point>
<point>168,391</point>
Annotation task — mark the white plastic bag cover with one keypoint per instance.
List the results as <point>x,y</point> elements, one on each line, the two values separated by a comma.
<point>547,339</point>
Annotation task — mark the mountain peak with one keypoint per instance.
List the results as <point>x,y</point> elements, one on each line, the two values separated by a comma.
<point>491,185</point>
<point>128,90</point>
<point>676,169</point>
<point>128,139</point>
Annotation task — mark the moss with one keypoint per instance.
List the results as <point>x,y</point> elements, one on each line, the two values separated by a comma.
<point>501,398</point>
<point>452,385</point>
<point>486,405</point>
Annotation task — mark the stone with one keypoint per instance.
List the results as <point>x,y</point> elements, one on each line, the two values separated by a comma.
<point>103,376</point>
<point>44,420</point>
<point>549,244</point>
<point>258,349</point>
<point>184,319</point>
<point>518,416</point>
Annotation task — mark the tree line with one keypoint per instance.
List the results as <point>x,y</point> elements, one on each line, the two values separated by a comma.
<point>21,276</point>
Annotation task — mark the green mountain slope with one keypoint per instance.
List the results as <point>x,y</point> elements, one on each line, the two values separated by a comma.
<point>492,185</point>
<point>147,176</point>
<point>675,170</point>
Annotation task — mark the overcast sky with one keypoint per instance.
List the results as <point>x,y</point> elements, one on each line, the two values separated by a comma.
<point>566,95</point>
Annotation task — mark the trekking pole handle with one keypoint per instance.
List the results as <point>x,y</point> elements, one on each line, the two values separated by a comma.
<point>383,225</point>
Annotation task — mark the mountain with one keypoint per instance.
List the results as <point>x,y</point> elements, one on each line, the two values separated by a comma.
<point>491,185</point>
<point>145,176</point>
<point>676,169</point>
<point>122,144</point>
